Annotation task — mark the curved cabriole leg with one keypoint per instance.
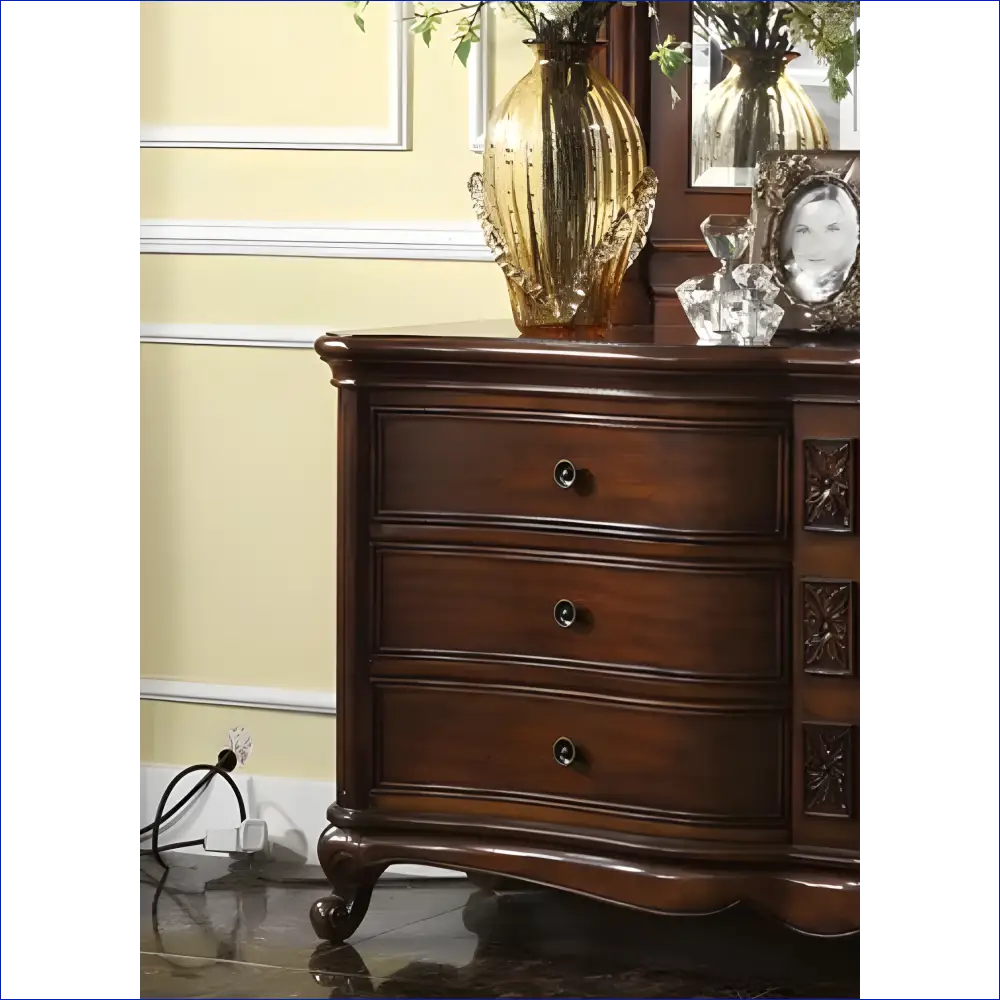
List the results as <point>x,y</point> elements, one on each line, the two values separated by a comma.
<point>337,916</point>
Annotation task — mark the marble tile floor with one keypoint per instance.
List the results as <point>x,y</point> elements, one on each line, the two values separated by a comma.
<point>213,932</point>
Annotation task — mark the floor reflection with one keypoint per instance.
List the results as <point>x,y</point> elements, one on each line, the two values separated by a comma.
<point>245,935</point>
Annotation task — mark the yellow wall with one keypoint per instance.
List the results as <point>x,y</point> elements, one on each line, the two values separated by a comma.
<point>238,444</point>
<point>299,746</point>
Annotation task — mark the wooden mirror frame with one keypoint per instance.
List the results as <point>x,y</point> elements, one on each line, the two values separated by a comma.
<point>678,250</point>
<point>625,61</point>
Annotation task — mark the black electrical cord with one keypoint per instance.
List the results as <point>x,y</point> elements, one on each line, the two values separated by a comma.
<point>226,762</point>
<point>148,828</point>
<point>217,768</point>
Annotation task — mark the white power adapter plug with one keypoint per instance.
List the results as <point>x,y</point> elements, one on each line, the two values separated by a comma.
<point>250,837</point>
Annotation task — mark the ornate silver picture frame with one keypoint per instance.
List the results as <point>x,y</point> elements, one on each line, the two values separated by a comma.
<point>806,216</point>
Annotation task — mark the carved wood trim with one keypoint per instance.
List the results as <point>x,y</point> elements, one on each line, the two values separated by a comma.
<point>828,770</point>
<point>828,627</point>
<point>829,493</point>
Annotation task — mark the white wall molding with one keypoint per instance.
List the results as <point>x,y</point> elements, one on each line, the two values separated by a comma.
<point>371,240</point>
<point>480,70</point>
<point>235,695</point>
<point>395,135</point>
<point>294,810</point>
<point>852,108</point>
<point>231,334</point>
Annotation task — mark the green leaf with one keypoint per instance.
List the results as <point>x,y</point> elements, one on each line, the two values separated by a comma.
<point>669,57</point>
<point>839,87</point>
<point>465,30</point>
<point>843,58</point>
<point>462,50</point>
<point>357,6</point>
<point>426,24</point>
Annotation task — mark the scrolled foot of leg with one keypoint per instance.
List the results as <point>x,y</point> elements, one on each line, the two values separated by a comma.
<point>337,916</point>
<point>331,919</point>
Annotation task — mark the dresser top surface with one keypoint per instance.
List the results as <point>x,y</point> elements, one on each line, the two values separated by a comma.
<point>495,342</point>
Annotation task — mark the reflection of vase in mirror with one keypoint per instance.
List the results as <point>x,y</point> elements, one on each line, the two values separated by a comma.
<point>565,196</point>
<point>757,107</point>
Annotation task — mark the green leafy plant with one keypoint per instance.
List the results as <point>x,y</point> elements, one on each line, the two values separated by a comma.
<point>767,25</point>
<point>569,21</point>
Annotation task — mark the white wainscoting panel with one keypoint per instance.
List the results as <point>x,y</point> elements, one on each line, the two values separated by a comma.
<point>395,135</point>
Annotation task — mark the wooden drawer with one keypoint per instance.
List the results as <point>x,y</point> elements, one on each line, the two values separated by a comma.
<point>641,760</point>
<point>711,624</point>
<point>672,478</point>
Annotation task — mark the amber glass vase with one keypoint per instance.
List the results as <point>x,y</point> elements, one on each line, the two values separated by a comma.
<point>565,197</point>
<point>756,108</point>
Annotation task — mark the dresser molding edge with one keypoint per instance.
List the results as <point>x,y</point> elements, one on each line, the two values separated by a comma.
<point>820,902</point>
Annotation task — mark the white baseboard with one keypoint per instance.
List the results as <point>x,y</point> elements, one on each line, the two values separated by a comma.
<point>294,810</point>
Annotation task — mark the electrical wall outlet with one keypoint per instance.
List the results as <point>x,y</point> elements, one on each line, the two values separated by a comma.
<point>241,744</point>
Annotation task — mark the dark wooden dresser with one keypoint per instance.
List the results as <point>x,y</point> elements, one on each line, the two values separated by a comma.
<point>597,622</point>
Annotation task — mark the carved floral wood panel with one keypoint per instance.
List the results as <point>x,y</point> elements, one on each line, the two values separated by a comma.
<point>829,485</point>
<point>828,764</point>
<point>828,638</point>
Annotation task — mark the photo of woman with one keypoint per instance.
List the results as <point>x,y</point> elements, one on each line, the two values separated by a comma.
<point>819,242</point>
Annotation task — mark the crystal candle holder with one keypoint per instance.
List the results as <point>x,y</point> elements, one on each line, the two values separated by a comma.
<point>727,236</point>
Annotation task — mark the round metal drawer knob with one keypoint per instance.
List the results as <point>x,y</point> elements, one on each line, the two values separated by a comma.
<point>564,751</point>
<point>564,474</point>
<point>564,613</point>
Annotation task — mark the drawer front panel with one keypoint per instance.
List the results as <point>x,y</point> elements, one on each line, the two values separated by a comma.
<point>686,622</point>
<point>669,478</point>
<point>642,760</point>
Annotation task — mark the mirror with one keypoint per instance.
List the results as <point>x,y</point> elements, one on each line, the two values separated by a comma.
<point>751,93</point>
